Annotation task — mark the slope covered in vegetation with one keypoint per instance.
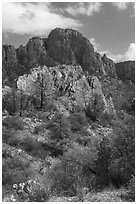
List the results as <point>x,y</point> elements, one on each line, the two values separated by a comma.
<point>68,128</point>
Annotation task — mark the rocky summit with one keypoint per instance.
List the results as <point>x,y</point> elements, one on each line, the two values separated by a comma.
<point>62,46</point>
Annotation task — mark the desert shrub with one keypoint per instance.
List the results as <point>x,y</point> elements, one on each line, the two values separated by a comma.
<point>106,119</point>
<point>83,140</point>
<point>77,121</point>
<point>15,175</point>
<point>33,147</point>
<point>59,127</point>
<point>122,165</point>
<point>9,102</point>
<point>40,128</point>
<point>131,190</point>
<point>42,115</point>
<point>7,134</point>
<point>102,163</point>
<point>120,171</point>
<point>13,122</point>
<point>13,141</point>
<point>73,172</point>
<point>30,114</point>
<point>129,106</point>
<point>14,171</point>
<point>94,108</point>
<point>53,148</point>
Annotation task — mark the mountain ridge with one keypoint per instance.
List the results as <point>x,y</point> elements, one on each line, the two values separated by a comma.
<point>62,46</point>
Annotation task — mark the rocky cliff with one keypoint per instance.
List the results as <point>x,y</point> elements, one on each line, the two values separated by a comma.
<point>9,54</point>
<point>126,70</point>
<point>63,46</point>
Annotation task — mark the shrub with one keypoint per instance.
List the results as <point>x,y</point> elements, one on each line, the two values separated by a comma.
<point>32,146</point>
<point>131,190</point>
<point>7,134</point>
<point>106,119</point>
<point>102,163</point>
<point>14,171</point>
<point>94,108</point>
<point>9,102</point>
<point>59,127</point>
<point>13,122</point>
<point>30,114</point>
<point>40,128</point>
<point>53,148</point>
<point>42,115</point>
<point>78,121</point>
<point>122,165</point>
<point>120,171</point>
<point>73,172</point>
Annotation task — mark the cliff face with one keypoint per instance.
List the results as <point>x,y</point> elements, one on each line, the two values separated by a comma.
<point>63,46</point>
<point>9,54</point>
<point>126,70</point>
<point>32,53</point>
<point>66,46</point>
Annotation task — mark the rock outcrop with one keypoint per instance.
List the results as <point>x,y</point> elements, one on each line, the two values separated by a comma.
<point>126,70</point>
<point>33,53</point>
<point>22,55</point>
<point>108,65</point>
<point>74,89</point>
<point>63,46</point>
<point>11,69</point>
<point>9,54</point>
<point>68,46</point>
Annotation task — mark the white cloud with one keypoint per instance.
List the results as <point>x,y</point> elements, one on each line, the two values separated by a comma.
<point>121,5</point>
<point>94,43</point>
<point>33,18</point>
<point>84,8</point>
<point>128,55</point>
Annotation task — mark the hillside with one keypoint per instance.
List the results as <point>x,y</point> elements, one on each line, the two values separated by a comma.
<point>68,122</point>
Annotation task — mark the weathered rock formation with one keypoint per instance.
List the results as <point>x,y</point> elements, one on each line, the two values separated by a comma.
<point>9,54</point>
<point>126,70</point>
<point>73,89</point>
<point>33,53</point>
<point>63,46</point>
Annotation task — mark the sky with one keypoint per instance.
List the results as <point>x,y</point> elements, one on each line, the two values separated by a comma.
<point>110,26</point>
